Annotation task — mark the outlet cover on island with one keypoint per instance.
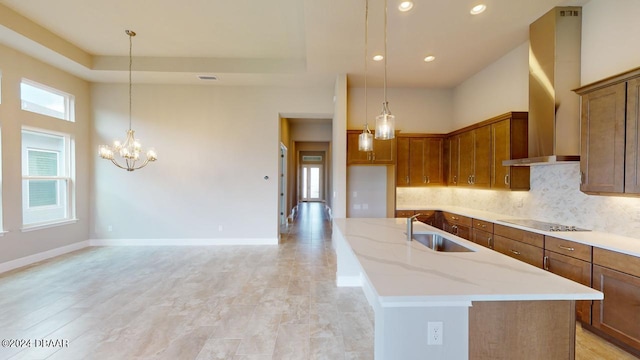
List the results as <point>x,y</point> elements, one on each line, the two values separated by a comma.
<point>219,227</point>
<point>434,333</point>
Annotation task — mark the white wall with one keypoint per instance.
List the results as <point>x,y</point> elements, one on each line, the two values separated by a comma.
<point>416,110</point>
<point>499,88</point>
<point>367,186</point>
<point>554,194</point>
<point>339,149</point>
<point>215,146</point>
<point>14,66</point>
<point>610,38</point>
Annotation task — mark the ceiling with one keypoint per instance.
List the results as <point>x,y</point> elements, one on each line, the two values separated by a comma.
<point>258,42</point>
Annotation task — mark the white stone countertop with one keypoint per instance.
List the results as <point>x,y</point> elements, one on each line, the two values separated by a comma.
<point>408,272</point>
<point>603,240</point>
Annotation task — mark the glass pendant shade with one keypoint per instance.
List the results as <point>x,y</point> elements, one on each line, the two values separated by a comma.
<point>385,124</point>
<point>365,140</point>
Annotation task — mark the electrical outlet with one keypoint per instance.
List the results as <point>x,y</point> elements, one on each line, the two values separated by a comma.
<point>219,227</point>
<point>434,333</point>
<point>109,228</point>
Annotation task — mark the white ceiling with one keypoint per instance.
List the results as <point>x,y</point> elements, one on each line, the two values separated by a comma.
<point>266,42</point>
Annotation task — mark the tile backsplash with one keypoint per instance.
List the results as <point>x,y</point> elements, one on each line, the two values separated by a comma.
<point>555,196</point>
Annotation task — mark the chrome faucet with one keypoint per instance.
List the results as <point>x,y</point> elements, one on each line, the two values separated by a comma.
<point>410,221</point>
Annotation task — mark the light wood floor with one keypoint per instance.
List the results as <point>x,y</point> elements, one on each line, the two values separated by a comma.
<point>227,302</point>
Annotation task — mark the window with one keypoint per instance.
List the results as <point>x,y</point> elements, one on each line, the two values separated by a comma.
<point>46,180</point>
<point>47,101</point>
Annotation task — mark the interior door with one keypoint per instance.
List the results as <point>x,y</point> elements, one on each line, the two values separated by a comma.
<point>311,183</point>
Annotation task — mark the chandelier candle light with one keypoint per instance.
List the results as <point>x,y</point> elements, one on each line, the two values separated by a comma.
<point>130,150</point>
<point>365,140</point>
<point>385,122</point>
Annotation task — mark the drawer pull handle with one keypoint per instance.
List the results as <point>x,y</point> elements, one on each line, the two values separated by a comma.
<point>489,243</point>
<point>515,252</point>
<point>566,248</point>
<point>545,263</point>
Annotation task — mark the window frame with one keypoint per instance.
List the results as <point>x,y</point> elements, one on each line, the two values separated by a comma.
<point>65,174</point>
<point>69,100</point>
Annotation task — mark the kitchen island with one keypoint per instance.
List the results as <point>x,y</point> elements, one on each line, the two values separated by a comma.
<point>488,305</point>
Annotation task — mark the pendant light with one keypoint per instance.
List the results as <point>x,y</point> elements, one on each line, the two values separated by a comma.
<point>385,122</point>
<point>129,151</point>
<point>365,140</point>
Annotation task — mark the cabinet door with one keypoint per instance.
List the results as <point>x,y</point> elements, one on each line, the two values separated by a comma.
<point>416,162</point>
<point>617,315</point>
<point>632,161</point>
<point>482,157</point>
<point>524,252</point>
<point>384,151</point>
<point>433,164</point>
<point>454,160</point>
<point>355,156</point>
<point>575,270</point>
<point>402,168</point>
<point>483,238</point>
<point>603,140</point>
<point>501,144</point>
<point>466,158</point>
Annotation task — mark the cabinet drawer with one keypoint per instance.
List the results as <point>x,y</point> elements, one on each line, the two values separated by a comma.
<point>569,248</point>
<point>518,250</point>
<point>524,236</point>
<point>457,219</point>
<point>483,238</point>
<point>404,213</point>
<point>614,260</point>
<point>483,225</point>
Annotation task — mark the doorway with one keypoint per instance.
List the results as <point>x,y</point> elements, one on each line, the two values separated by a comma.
<point>311,182</point>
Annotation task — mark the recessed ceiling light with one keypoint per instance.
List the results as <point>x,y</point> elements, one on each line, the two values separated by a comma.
<point>429,58</point>
<point>208,77</point>
<point>378,58</point>
<point>405,6</point>
<point>478,9</point>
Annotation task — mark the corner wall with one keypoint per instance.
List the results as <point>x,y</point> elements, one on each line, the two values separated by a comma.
<point>14,66</point>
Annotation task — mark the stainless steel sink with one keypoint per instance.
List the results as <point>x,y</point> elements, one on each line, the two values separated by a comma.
<point>437,242</point>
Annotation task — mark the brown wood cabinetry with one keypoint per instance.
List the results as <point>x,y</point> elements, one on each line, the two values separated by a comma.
<point>618,277</point>
<point>482,233</point>
<point>609,135</point>
<point>570,260</point>
<point>384,151</point>
<point>404,213</point>
<point>509,141</point>
<point>523,245</point>
<point>457,225</point>
<point>474,159</point>
<point>420,160</point>
<point>474,155</point>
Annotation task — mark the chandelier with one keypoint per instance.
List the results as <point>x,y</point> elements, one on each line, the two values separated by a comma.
<point>365,139</point>
<point>129,151</point>
<point>385,122</point>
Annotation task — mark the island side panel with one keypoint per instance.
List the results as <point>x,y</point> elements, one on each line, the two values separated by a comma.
<point>402,333</point>
<point>522,330</point>
<point>349,271</point>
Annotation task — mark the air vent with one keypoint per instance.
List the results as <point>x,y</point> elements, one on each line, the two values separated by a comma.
<point>208,77</point>
<point>569,13</point>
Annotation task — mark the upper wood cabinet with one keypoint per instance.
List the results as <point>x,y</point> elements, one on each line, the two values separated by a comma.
<point>420,160</point>
<point>509,141</point>
<point>384,151</point>
<point>474,155</point>
<point>609,135</point>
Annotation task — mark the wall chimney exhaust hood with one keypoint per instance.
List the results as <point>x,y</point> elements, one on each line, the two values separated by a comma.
<point>554,71</point>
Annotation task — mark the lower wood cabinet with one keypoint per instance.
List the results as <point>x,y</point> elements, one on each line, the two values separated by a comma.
<point>572,269</point>
<point>458,225</point>
<point>483,238</point>
<point>530,254</point>
<point>618,277</point>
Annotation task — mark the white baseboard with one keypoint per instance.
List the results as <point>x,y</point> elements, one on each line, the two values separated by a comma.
<point>181,242</point>
<point>31,259</point>
<point>348,281</point>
